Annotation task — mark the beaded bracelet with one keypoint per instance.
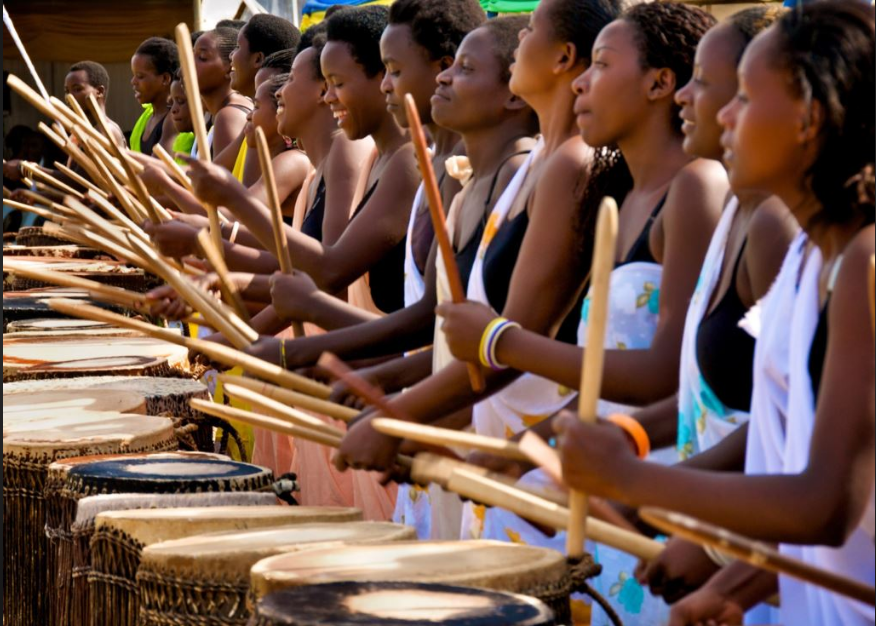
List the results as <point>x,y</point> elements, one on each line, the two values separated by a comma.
<point>635,431</point>
<point>490,340</point>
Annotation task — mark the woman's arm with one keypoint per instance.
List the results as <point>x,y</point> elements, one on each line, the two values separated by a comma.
<point>227,127</point>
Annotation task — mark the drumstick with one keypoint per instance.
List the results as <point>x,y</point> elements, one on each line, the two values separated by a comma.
<point>173,166</point>
<point>280,411</point>
<point>227,285</point>
<point>40,211</point>
<point>291,398</point>
<point>6,192</point>
<point>118,215</point>
<point>74,105</point>
<point>135,182</point>
<point>33,98</point>
<point>264,421</point>
<point>36,172</point>
<point>756,553</point>
<point>450,438</point>
<point>80,180</point>
<point>217,352</point>
<point>436,210</point>
<point>358,385</point>
<point>591,378</point>
<point>13,32</point>
<point>69,118</point>
<point>281,245</point>
<point>114,187</point>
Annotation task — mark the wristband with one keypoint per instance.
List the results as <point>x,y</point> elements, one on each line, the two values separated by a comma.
<point>483,351</point>
<point>635,431</point>
<point>490,340</point>
<point>234,230</point>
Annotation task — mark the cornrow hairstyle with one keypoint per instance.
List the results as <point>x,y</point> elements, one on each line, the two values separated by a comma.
<point>505,32</point>
<point>667,34</point>
<point>360,28</point>
<point>275,83</point>
<point>579,22</point>
<point>827,49</point>
<point>226,42</point>
<point>749,23</point>
<point>96,73</point>
<point>268,33</point>
<point>280,60</point>
<point>235,24</point>
<point>163,54</point>
<point>438,27</point>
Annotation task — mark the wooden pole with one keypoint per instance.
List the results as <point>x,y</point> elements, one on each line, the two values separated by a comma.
<point>39,211</point>
<point>291,398</point>
<point>436,210</point>
<point>174,167</point>
<point>756,553</point>
<point>10,25</point>
<point>37,173</point>
<point>281,411</point>
<point>449,438</point>
<point>281,245</point>
<point>591,378</point>
<point>80,180</point>
<point>361,387</point>
<point>217,352</point>
<point>229,289</point>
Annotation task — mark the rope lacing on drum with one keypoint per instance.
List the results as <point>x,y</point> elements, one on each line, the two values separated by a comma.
<point>580,571</point>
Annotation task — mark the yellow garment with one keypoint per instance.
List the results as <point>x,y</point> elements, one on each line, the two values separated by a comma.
<point>237,170</point>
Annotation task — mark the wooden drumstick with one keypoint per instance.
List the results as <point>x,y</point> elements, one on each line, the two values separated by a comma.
<point>80,180</point>
<point>74,105</point>
<point>281,411</point>
<point>358,385</point>
<point>449,438</point>
<point>756,553</point>
<point>38,173</point>
<point>281,245</point>
<point>68,118</point>
<point>228,286</point>
<point>291,398</point>
<point>39,211</point>
<point>591,377</point>
<point>33,98</point>
<point>436,210</point>
<point>217,352</point>
<point>173,167</point>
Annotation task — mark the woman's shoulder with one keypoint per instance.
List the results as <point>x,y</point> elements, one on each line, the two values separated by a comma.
<point>701,174</point>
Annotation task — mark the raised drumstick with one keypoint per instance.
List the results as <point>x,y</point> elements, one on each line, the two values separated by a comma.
<point>291,398</point>
<point>173,167</point>
<point>436,210</point>
<point>594,354</point>
<point>229,289</point>
<point>280,243</point>
<point>756,553</point>
<point>280,410</point>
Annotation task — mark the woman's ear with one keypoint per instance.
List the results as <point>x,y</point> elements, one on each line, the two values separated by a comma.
<point>515,103</point>
<point>567,59</point>
<point>259,60</point>
<point>662,83</point>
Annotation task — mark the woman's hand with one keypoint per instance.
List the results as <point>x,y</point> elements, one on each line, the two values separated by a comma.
<point>681,569</point>
<point>343,395</point>
<point>500,465</point>
<point>464,325</point>
<point>166,303</point>
<point>365,448</point>
<point>292,295</point>
<point>267,349</point>
<point>212,183</point>
<point>156,179</point>
<point>597,458</point>
<point>174,239</point>
<point>707,607</point>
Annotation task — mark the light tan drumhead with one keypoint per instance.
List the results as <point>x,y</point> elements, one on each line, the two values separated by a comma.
<point>484,564</point>
<point>230,555</point>
<point>153,526</point>
<point>58,328</point>
<point>88,433</point>
<point>25,407</point>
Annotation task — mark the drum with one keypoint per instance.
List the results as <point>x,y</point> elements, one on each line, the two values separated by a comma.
<point>399,604</point>
<point>112,273</point>
<point>28,450</point>
<point>49,234</point>
<point>34,359</point>
<point>164,396</point>
<point>528,570</point>
<point>58,252</point>
<point>42,328</point>
<point>24,305</point>
<point>33,406</point>
<point>120,536</point>
<point>205,579</point>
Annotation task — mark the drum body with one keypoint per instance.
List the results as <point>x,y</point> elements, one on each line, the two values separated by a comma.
<point>398,604</point>
<point>111,273</point>
<point>527,570</point>
<point>28,450</point>
<point>205,578</point>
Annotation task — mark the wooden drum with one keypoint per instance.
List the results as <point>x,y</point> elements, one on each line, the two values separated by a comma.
<point>120,537</point>
<point>48,328</point>
<point>527,570</point>
<point>112,273</point>
<point>28,450</point>
<point>25,305</point>
<point>205,579</point>
<point>399,604</point>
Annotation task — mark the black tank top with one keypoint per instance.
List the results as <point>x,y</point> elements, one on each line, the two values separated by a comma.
<point>725,352</point>
<point>312,225</point>
<point>818,351</point>
<point>386,279</point>
<point>148,143</point>
<point>641,250</point>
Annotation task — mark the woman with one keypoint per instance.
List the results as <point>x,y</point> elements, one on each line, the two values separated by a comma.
<point>802,128</point>
<point>181,117</point>
<point>153,68</point>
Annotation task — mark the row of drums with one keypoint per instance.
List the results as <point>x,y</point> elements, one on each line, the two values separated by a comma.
<point>108,523</point>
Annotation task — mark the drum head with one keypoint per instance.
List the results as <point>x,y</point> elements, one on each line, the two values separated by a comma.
<point>25,407</point>
<point>399,604</point>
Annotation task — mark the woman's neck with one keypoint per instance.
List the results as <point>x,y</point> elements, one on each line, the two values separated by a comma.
<point>389,136</point>
<point>319,136</point>
<point>216,99</point>
<point>487,147</point>
<point>653,153</point>
<point>445,140</point>
<point>831,239</point>
<point>556,115</point>
<point>276,143</point>
<point>159,104</point>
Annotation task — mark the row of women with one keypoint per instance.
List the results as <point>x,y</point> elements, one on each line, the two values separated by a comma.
<point>739,340</point>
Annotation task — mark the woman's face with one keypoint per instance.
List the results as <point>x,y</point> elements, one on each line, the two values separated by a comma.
<point>766,127</point>
<point>76,84</point>
<point>212,69</point>
<point>148,85</point>
<point>242,64</point>
<point>409,70</point>
<point>533,66</point>
<point>301,96</point>
<point>354,98</point>
<point>713,85</point>
<point>263,114</point>
<point>470,94</point>
<point>179,108</point>
<point>612,93</point>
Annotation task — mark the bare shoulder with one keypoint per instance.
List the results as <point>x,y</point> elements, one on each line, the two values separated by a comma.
<point>772,220</point>
<point>510,167</point>
<point>853,275</point>
<point>698,177</point>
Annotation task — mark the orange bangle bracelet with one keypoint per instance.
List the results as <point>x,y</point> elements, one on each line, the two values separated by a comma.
<point>635,431</point>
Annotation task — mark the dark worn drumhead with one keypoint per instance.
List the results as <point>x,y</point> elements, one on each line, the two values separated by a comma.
<point>167,476</point>
<point>399,604</point>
